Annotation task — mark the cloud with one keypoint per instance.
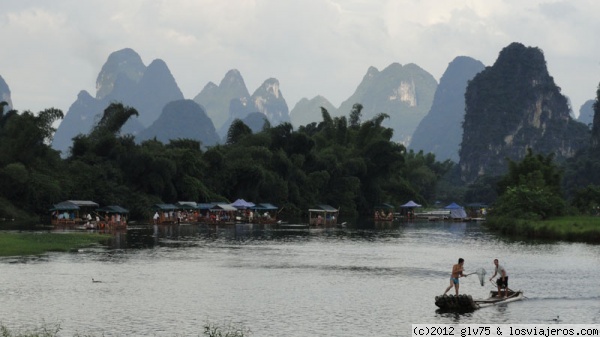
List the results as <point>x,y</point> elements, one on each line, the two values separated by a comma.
<point>56,48</point>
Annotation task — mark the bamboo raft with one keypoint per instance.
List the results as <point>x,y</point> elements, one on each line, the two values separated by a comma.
<point>466,302</point>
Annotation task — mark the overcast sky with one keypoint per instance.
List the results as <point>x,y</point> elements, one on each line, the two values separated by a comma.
<point>53,49</point>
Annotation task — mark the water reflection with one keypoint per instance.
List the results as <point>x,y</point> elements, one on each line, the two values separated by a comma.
<point>173,235</point>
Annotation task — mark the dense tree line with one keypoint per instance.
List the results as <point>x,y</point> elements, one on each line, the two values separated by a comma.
<point>346,162</point>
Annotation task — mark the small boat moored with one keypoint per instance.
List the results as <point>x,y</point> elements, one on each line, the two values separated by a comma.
<point>466,302</point>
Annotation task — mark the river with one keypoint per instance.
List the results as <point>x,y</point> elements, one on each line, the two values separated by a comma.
<point>367,280</point>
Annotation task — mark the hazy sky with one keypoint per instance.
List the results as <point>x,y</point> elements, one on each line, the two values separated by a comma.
<point>53,49</point>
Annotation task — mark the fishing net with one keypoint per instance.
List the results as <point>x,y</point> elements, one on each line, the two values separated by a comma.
<point>481,274</point>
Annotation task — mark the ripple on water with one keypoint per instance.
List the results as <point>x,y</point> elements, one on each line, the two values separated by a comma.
<point>338,282</point>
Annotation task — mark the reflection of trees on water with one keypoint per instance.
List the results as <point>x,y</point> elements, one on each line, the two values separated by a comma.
<point>174,235</point>
<point>182,235</point>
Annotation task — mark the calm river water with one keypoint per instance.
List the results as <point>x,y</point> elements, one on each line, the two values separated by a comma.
<point>357,281</point>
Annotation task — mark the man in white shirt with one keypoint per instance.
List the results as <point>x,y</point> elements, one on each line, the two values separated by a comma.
<point>502,281</point>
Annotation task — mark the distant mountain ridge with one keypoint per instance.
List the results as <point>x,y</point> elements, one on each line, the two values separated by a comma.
<point>182,119</point>
<point>230,100</point>
<point>440,131</point>
<point>308,111</point>
<point>512,106</point>
<point>216,100</point>
<point>405,93</point>
<point>586,112</point>
<point>125,79</point>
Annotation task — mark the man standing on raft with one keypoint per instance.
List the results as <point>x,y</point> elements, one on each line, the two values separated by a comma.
<point>457,271</point>
<point>502,281</point>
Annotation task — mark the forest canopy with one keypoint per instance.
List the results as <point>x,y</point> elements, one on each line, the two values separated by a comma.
<point>345,162</point>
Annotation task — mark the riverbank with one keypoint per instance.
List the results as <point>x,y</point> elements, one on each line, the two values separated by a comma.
<point>19,244</point>
<point>568,228</point>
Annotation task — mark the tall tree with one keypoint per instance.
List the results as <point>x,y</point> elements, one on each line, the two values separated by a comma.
<point>237,130</point>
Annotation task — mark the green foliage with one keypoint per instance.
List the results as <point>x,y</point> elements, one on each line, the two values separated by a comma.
<point>587,200</point>
<point>581,171</point>
<point>237,131</point>
<point>29,168</point>
<point>484,189</point>
<point>531,189</point>
<point>349,165</point>
<point>113,119</point>
<point>356,115</point>
<point>424,173</point>
<point>524,202</point>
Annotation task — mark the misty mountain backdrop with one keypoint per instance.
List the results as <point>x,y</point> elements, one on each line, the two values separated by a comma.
<point>477,116</point>
<point>586,113</point>
<point>440,132</point>
<point>405,93</point>
<point>512,106</point>
<point>123,78</point>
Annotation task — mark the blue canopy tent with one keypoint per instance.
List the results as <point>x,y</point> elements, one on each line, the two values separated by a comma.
<point>242,204</point>
<point>408,209</point>
<point>456,211</point>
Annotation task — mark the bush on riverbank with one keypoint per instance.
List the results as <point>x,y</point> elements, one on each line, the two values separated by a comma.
<point>8,212</point>
<point>567,228</point>
<point>19,244</point>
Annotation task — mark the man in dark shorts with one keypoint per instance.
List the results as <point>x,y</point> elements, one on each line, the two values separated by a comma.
<point>457,271</point>
<point>502,281</point>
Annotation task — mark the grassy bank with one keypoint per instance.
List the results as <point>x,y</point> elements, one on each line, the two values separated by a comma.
<point>568,228</point>
<point>18,244</point>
